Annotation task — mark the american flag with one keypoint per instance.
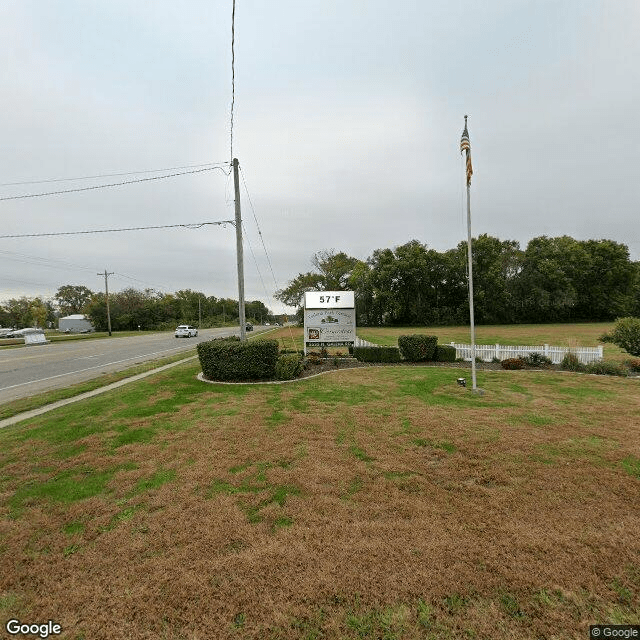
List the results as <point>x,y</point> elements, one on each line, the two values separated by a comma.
<point>465,145</point>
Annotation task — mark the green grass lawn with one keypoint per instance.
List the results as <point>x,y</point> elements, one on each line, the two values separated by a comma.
<point>369,503</point>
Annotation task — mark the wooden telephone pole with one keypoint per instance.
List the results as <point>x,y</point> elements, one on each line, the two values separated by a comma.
<point>239,254</point>
<point>106,292</point>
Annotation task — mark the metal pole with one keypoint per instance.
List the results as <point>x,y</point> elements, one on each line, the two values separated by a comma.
<point>199,312</point>
<point>236,185</point>
<point>106,291</point>
<point>469,255</point>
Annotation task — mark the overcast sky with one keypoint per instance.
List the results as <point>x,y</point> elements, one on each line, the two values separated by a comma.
<point>348,116</point>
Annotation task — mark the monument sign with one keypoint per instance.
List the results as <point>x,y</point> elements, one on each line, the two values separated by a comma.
<point>329,319</point>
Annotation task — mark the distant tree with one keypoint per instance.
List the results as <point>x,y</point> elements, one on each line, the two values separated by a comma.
<point>303,282</point>
<point>606,287</point>
<point>72,298</point>
<point>257,311</point>
<point>496,265</point>
<point>19,312</point>
<point>5,318</point>
<point>332,273</point>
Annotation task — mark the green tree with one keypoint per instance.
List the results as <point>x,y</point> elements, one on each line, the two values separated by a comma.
<point>333,272</point>
<point>626,335</point>
<point>606,286</point>
<point>72,298</point>
<point>548,282</point>
<point>19,311</point>
<point>496,265</point>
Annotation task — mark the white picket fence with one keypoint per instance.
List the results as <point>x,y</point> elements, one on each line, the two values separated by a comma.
<point>501,351</point>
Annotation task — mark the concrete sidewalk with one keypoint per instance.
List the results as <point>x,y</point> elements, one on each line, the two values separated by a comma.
<point>89,394</point>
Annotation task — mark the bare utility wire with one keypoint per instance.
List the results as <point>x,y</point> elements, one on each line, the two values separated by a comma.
<point>52,263</point>
<point>246,237</point>
<point>194,225</point>
<point>233,71</point>
<point>258,227</point>
<point>273,275</point>
<point>113,184</point>
<point>115,175</point>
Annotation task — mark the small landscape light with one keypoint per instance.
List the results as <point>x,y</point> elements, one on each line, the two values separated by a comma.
<point>462,382</point>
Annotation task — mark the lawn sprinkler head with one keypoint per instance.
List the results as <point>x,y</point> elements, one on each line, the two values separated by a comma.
<point>462,382</point>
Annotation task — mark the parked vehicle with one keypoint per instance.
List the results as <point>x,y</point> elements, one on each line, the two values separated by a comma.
<point>249,327</point>
<point>21,333</point>
<point>186,331</point>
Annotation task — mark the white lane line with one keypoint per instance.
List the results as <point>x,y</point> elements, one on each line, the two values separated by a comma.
<point>62,375</point>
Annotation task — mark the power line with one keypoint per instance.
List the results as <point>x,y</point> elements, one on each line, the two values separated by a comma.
<point>113,184</point>
<point>233,70</point>
<point>195,225</point>
<point>113,175</point>
<point>258,227</point>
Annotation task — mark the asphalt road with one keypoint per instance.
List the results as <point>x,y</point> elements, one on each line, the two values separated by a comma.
<point>26,371</point>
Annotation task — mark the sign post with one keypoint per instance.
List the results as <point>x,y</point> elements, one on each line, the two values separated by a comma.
<point>329,319</point>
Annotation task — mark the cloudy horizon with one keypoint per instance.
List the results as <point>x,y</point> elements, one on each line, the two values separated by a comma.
<point>347,126</point>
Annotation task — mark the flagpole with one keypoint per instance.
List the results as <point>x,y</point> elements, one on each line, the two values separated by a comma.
<point>465,144</point>
<point>474,385</point>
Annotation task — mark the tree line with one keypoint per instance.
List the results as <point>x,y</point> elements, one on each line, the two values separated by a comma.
<point>130,309</point>
<point>554,279</point>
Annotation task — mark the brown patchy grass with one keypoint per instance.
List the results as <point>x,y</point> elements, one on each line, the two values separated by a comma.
<point>371,503</point>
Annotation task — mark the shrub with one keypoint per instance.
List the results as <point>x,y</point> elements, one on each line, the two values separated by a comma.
<point>417,347</point>
<point>377,354</point>
<point>513,363</point>
<point>445,353</point>
<point>537,360</point>
<point>606,368</point>
<point>232,360</point>
<point>570,362</point>
<point>626,335</point>
<point>634,365</point>
<point>288,366</point>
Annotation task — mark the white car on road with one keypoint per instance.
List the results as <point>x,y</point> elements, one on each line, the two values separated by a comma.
<point>186,331</point>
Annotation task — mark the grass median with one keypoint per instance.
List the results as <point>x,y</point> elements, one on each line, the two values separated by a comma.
<point>371,503</point>
<point>14,407</point>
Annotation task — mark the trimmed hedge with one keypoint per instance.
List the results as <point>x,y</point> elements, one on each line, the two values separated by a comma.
<point>445,353</point>
<point>417,347</point>
<point>289,366</point>
<point>377,354</point>
<point>231,360</point>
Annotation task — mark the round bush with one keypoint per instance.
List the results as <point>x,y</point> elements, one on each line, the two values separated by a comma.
<point>513,363</point>
<point>289,366</point>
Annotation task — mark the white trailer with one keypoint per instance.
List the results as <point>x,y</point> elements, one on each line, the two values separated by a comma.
<point>76,323</point>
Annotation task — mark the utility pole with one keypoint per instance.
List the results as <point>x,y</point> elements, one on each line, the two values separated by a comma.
<point>236,184</point>
<point>106,291</point>
<point>199,312</point>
